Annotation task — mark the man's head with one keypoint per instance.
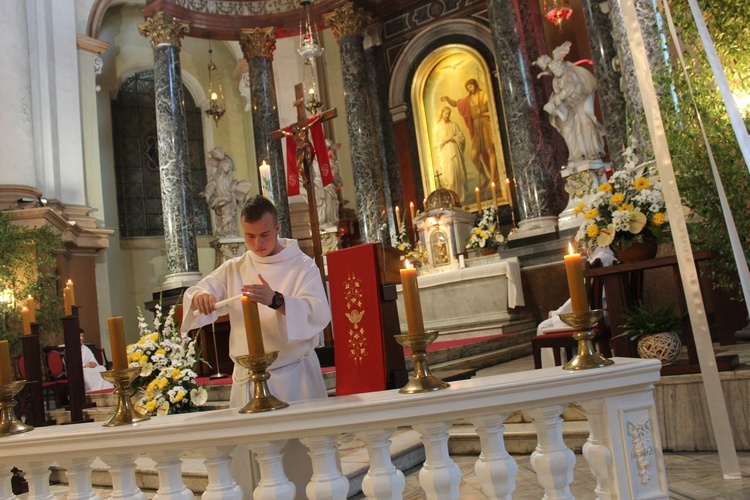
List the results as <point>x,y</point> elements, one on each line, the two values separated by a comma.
<point>260,226</point>
<point>472,85</point>
<point>445,113</point>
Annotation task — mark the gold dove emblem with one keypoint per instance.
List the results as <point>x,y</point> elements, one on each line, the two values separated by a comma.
<point>355,317</point>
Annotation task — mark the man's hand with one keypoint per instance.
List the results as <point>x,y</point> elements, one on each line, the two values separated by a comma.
<point>262,293</point>
<point>90,364</point>
<point>203,302</point>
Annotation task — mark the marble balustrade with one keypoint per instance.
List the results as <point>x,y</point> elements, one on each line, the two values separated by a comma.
<point>623,448</point>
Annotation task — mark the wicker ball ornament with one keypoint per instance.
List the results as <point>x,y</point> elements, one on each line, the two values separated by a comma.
<point>665,346</point>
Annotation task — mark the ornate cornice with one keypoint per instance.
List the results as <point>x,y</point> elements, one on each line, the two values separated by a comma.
<point>258,42</point>
<point>91,45</point>
<point>164,29</point>
<point>348,21</point>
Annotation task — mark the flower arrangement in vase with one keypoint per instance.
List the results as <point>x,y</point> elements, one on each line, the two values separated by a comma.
<point>627,209</point>
<point>166,357</point>
<point>485,235</point>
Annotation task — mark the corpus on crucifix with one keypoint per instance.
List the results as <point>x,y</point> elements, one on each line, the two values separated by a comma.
<point>300,170</point>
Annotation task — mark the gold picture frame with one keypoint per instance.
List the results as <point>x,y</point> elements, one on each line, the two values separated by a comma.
<point>442,81</point>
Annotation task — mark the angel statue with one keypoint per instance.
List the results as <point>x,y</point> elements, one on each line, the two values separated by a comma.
<point>571,105</point>
<point>223,193</point>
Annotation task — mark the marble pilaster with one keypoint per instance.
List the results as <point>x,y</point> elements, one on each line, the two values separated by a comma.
<point>16,128</point>
<point>608,75</point>
<point>376,66</point>
<point>166,34</point>
<point>348,25</point>
<point>258,45</point>
<point>523,114</point>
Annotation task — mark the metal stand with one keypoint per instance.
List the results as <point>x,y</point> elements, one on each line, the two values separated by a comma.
<point>262,400</point>
<point>218,373</point>
<point>422,380</point>
<point>9,424</point>
<point>125,413</point>
<point>587,357</point>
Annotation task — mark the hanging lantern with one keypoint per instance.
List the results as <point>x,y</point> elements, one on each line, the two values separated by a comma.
<point>558,12</point>
<point>310,50</point>
<point>216,107</point>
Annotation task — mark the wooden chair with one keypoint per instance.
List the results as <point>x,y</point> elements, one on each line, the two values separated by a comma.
<point>49,388</point>
<point>564,340</point>
<point>55,361</point>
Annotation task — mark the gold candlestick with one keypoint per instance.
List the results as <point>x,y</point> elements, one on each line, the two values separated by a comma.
<point>262,400</point>
<point>422,380</point>
<point>9,424</point>
<point>125,413</point>
<point>587,357</point>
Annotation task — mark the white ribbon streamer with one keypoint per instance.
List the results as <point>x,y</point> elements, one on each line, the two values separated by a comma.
<point>688,274</point>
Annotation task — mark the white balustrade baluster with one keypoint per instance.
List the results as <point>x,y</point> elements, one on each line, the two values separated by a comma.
<point>440,477</point>
<point>37,475</point>
<point>220,486</point>
<point>273,485</point>
<point>169,468</point>
<point>383,481</point>
<point>596,450</point>
<point>552,460</point>
<point>122,471</point>
<point>327,482</point>
<point>495,468</point>
<point>6,486</point>
<point>78,471</point>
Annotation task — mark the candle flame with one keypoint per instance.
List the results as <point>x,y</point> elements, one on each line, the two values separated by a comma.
<point>476,189</point>
<point>507,181</point>
<point>570,248</point>
<point>407,264</point>
<point>24,309</point>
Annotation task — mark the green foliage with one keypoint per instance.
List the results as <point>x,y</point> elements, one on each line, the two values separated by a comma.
<point>27,267</point>
<point>641,320</point>
<point>727,23</point>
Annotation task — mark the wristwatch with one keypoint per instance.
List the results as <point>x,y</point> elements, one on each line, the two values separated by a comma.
<point>277,301</point>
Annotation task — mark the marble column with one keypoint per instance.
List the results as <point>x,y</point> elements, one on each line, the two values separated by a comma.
<point>174,169</point>
<point>376,67</point>
<point>524,115</point>
<point>608,76</point>
<point>258,45</point>
<point>348,25</point>
<point>16,128</point>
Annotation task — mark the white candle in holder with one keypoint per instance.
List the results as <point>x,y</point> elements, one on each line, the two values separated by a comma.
<point>265,180</point>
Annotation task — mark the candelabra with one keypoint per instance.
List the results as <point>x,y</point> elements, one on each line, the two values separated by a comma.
<point>125,413</point>
<point>262,400</point>
<point>9,424</point>
<point>422,380</point>
<point>587,357</point>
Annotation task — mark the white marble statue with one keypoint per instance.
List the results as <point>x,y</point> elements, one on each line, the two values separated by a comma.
<point>223,193</point>
<point>571,105</point>
<point>327,199</point>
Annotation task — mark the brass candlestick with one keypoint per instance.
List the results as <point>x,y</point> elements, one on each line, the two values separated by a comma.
<point>125,413</point>
<point>262,400</point>
<point>587,357</point>
<point>9,424</point>
<point>422,380</point>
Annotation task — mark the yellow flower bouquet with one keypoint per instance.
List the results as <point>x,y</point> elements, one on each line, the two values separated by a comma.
<point>167,358</point>
<point>628,208</point>
<point>485,234</point>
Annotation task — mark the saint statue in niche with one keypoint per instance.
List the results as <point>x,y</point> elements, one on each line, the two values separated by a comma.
<point>571,105</point>
<point>223,193</point>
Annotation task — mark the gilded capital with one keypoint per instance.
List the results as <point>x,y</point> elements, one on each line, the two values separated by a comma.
<point>164,29</point>
<point>258,42</point>
<point>347,20</point>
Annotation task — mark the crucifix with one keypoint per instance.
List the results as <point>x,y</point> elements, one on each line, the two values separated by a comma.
<point>300,131</point>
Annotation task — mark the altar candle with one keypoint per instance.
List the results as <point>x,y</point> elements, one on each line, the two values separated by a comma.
<point>507,192</point>
<point>117,343</point>
<point>67,303</point>
<point>398,219</point>
<point>574,270</point>
<point>5,377</point>
<point>265,177</point>
<point>252,327</point>
<point>411,210</point>
<point>479,201</point>
<point>494,194</point>
<point>32,308</point>
<point>412,305</point>
<point>26,318</point>
<point>69,284</point>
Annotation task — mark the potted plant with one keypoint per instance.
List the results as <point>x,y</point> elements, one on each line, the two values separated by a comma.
<point>627,211</point>
<point>655,329</point>
<point>485,237</point>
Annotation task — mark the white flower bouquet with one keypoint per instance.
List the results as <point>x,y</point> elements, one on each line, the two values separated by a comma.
<point>167,359</point>
<point>485,233</point>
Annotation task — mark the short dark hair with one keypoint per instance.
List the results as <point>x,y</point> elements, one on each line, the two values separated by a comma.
<point>258,206</point>
<point>472,81</point>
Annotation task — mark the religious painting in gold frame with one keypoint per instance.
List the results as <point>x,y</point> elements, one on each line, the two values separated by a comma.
<point>467,137</point>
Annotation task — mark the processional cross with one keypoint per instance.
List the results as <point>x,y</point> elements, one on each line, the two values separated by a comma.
<point>300,131</point>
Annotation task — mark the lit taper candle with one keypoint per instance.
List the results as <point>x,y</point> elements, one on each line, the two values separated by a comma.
<point>412,304</point>
<point>576,285</point>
